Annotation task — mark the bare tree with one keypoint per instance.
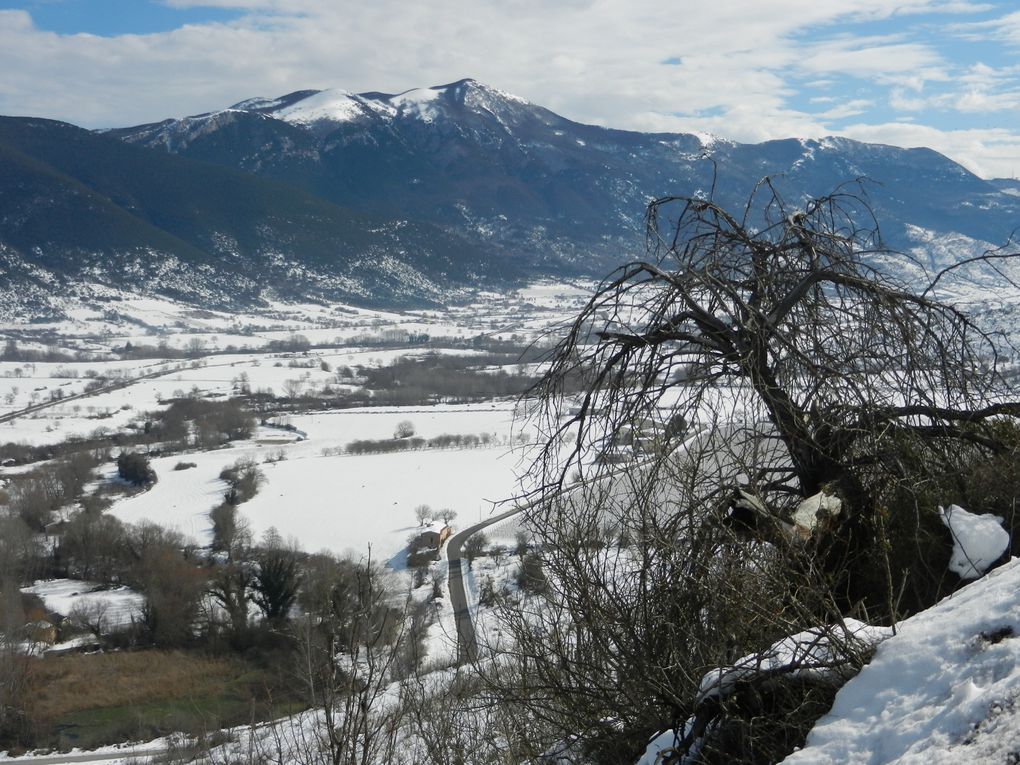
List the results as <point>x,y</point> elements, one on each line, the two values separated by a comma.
<point>454,720</point>
<point>90,615</point>
<point>423,514</point>
<point>15,726</point>
<point>775,324</point>
<point>276,580</point>
<point>786,366</point>
<point>349,657</point>
<point>293,388</point>
<point>475,546</point>
<point>230,581</point>
<point>21,551</point>
<point>165,571</point>
<point>606,645</point>
<point>91,546</point>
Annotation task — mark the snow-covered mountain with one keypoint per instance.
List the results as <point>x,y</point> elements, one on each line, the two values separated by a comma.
<point>454,101</point>
<point>400,196</point>
<point>79,208</point>
<point>502,170</point>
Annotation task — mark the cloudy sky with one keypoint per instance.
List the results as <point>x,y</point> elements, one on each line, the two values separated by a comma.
<point>939,73</point>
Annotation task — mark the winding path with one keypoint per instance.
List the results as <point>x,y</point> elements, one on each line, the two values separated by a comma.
<point>467,640</point>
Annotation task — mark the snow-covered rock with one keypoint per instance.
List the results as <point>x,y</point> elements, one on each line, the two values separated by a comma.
<point>824,654</point>
<point>943,690</point>
<point>819,652</point>
<point>978,541</point>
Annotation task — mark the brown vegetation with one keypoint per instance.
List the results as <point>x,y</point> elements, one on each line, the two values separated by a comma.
<point>64,685</point>
<point>92,700</point>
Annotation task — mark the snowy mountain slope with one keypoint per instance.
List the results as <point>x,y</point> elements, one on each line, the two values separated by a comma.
<point>944,690</point>
<point>500,169</point>
<point>80,207</point>
<point>425,104</point>
<point>400,196</point>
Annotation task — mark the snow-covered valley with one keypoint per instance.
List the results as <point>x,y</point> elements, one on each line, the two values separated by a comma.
<point>354,459</point>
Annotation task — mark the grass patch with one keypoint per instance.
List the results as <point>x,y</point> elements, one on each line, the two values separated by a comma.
<point>93,700</point>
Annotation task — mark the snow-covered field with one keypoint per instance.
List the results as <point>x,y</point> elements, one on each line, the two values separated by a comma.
<point>313,494</point>
<point>228,351</point>
<point>121,317</point>
<point>346,503</point>
<point>118,606</point>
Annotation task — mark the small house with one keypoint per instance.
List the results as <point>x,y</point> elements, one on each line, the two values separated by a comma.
<point>432,539</point>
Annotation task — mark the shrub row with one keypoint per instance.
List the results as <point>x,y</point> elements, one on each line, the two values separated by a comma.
<point>391,445</point>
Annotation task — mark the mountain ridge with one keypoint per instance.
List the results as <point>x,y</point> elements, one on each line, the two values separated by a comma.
<point>398,197</point>
<point>81,205</point>
<point>533,165</point>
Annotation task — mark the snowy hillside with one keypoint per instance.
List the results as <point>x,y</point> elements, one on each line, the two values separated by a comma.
<point>943,690</point>
<point>501,171</point>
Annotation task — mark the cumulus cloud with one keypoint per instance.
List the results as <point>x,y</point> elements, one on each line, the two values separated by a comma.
<point>991,152</point>
<point>745,70</point>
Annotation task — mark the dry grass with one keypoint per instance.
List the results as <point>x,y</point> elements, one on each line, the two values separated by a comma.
<point>68,684</point>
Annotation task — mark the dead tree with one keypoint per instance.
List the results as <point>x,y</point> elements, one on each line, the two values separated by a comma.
<point>775,326</point>
<point>769,345</point>
<point>836,356</point>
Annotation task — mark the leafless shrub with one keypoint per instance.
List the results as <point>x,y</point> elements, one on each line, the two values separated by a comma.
<point>752,361</point>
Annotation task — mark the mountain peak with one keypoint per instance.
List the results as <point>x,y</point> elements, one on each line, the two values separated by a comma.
<point>317,107</point>
<point>333,105</point>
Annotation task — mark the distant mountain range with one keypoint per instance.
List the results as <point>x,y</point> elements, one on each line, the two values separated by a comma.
<point>375,197</point>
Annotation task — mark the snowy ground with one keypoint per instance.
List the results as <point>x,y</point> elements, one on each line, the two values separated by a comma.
<point>944,690</point>
<point>232,349</point>
<point>345,503</point>
<point>120,317</point>
<point>313,494</point>
<point>119,605</point>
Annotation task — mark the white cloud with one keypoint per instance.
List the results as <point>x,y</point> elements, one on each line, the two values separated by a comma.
<point>989,153</point>
<point>902,102</point>
<point>980,90</point>
<point>870,58</point>
<point>1004,29</point>
<point>847,109</point>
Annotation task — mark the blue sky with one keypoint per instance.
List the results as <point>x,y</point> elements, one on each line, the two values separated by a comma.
<point>939,73</point>
<point>115,17</point>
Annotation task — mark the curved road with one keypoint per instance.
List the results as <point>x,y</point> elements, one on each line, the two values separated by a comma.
<point>139,754</point>
<point>467,641</point>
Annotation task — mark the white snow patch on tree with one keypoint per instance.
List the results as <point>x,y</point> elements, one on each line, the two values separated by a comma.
<point>978,541</point>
